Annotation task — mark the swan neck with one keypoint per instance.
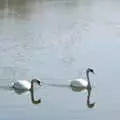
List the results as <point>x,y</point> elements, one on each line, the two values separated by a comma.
<point>32,94</point>
<point>32,82</point>
<point>88,79</point>
<point>90,105</point>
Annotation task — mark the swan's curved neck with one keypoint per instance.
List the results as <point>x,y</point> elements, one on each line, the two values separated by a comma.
<point>88,79</point>
<point>89,88</point>
<point>32,82</point>
<point>32,94</point>
<point>33,99</point>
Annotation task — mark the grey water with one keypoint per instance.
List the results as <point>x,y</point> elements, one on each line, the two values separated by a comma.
<point>56,41</point>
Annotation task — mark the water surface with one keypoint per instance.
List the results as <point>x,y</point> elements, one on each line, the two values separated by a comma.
<point>55,41</point>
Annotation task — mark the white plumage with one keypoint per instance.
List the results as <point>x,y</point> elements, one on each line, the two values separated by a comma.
<point>79,83</point>
<point>82,83</point>
<point>22,84</point>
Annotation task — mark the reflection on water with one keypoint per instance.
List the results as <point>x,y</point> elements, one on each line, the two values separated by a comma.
<point>55,40</point>
<point>74,89</point>
<point>21,92</point>
<point>89,104</point>
<point>34,101</point>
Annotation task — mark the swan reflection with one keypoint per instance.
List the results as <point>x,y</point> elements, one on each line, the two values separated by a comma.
<point>89,104</point>
<point>21,92</point>
<point>74,89</point>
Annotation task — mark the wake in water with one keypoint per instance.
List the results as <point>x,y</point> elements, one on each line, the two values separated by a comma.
<point>3,87</point>
<point>75,89</point>
<point>54,85</point>
<point>20,92</point>
<point>10,88</point>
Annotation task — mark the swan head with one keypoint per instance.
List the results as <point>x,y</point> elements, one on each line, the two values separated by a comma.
<point>91,70</point>
<point>36,80</point>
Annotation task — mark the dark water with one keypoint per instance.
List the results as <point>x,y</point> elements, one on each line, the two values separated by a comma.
<point>55,41</point>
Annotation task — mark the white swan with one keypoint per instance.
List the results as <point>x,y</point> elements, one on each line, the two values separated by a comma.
<point>24,84</point>
<point>82,83</point>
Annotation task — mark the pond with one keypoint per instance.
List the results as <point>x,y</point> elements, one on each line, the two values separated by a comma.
<point>56,41</point>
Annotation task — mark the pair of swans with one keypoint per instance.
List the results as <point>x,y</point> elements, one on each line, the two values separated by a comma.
<point>77,84</point>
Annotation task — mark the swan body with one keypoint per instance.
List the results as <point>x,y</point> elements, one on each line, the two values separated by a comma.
<point>24,84</point>
<point>79,83</point>
<point>82,83</point>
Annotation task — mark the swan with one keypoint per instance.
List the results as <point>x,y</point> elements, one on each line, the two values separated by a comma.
<point>82,83</point>
<point>24,84</point>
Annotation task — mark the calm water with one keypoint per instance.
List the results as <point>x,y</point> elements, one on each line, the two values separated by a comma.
<point>55,41</point>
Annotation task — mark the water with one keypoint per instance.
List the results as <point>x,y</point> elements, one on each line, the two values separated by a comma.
<point>55,41</point>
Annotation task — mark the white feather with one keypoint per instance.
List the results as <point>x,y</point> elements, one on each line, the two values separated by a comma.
<point>22,84</point>
<point>79,83</point>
